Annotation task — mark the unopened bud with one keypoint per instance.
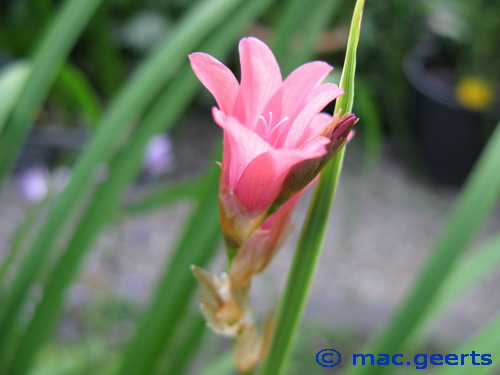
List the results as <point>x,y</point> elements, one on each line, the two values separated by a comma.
<point>217,302</point>
<point>304,172</point>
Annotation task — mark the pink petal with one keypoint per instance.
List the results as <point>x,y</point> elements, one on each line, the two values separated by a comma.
<point>261,181</point>
<point>317,100</point>
<point>315,145</point>
<point>241,146</point>
<point>285,209</point>
<point>217,78</point>
<point>297,86</point>
<point>260,79</point>
<point>316,126</point>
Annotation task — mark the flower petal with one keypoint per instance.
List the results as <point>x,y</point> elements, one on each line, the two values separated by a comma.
<point>316,126</point>
<point>317,100</point>
<point>217,78</point>
<point>315,145</point>
<point>260,79</point>
<point>241,146</point>
<point>298,85</point>
<point>261,181</point>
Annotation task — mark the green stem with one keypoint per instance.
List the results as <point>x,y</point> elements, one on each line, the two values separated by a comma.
<point>303,268</point>
<point>309,246</point>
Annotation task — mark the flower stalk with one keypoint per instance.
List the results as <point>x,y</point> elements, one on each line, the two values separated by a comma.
<point>276,141</point>
<point>309,246</point>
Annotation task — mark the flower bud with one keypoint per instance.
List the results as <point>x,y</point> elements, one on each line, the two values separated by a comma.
<point>217,302</point>
<point>303,173</point>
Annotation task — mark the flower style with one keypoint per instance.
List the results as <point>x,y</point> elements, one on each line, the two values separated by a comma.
<point>270,128</point>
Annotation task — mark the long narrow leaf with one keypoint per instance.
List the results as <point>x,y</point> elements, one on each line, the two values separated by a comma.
<point>469,270</point>
<point>187,347</point>
<point>486,341</point>
<point>12,79</point>
<point>197,245</point>
<point>476,201</point>
<point>366,108</point>
<point>289,18</point>
<point>309,246</point>
<point>111,131</point>
<point>96,216</point>
<point>164,196</point>
<point>220,366</point>
<point>49,57</point>
<point>314,20</point>
<point>108,64</point>
<point>77,87</point>
<point>18,241</point>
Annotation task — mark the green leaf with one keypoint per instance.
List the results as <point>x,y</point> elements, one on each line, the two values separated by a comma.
<point>309,246</point>
<point>77,87</point>
<point>101,208</point>
<point>289,18</point>
<point>18,242</point>
<point>164,196</point>
<point>196,246</point>
<point>476,201</point>
<point>486,341</point>
<point>107,63</point>
<point>314,19</point>
<point>187,346</point>
<point>48,59</point>
<point>471,268</point>
<point>221,366</point>
<point>12,80</point>
<point>109,136</point>
<point>366,107</point>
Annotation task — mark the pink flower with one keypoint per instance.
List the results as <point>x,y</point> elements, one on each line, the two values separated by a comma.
<point>270,126</point>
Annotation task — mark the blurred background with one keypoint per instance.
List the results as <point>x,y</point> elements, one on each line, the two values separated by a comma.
<point>107,151</point>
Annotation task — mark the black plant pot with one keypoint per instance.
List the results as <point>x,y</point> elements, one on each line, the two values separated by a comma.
<point>448,136</point>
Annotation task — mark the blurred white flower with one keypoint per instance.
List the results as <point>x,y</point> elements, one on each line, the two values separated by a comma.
<point>35,183</point>
<point>158,157</point>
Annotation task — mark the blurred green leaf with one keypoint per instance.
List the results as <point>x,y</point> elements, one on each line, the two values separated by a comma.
<point>185,349</point>
<point>313,21</point>
<point>470,268</point>
<point>196,246</point>
<point>77,87</point>
<point>368,111</point>
<point>476,201</point>
<point>47,61</point>
<point>74,359</point>
<point>129,105</point>
<point>100,209</point>
<point>290,17</point>
<point>165,196</point>
<point>107,62</point>
<point>486,341</point>
<point>12,79</point>
<point>220,366</point>
<point>18,242</point>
